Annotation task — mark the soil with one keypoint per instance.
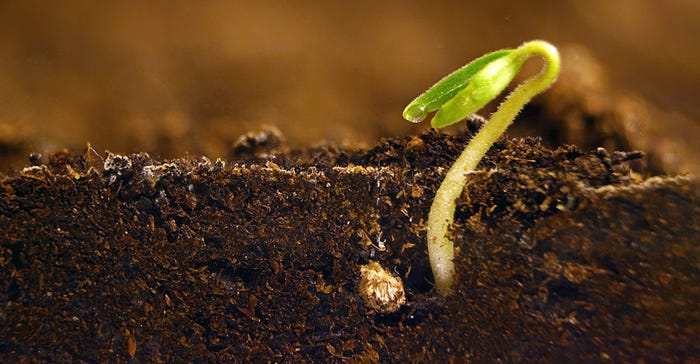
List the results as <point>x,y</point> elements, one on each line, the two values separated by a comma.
<point>563,255</point>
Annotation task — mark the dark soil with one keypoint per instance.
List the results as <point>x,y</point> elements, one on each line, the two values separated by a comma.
<point>564,256</point>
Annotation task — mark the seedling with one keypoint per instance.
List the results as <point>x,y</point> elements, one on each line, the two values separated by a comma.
<point>457,96</point>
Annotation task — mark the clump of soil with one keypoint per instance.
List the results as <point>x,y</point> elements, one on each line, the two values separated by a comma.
<point>564,255</point>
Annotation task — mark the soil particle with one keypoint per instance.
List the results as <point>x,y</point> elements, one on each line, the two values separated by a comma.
<point>563,256</point>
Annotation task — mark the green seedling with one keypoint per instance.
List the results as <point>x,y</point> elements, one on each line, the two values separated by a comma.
<point>457,96</point>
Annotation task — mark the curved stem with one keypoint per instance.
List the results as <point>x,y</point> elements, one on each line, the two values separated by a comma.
<point>440,248</point>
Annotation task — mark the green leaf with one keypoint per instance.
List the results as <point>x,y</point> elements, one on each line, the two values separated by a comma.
<point>448,87</point>
<point>481,88</point>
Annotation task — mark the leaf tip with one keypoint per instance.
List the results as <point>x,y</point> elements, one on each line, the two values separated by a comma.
<point>414,113</point>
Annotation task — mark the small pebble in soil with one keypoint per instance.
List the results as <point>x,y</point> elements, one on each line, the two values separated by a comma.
<point>381,290</point>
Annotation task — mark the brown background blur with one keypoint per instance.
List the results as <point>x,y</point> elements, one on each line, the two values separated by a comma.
<point>176,77</point>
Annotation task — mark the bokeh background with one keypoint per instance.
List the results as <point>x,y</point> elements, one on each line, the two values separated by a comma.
<point>189,77</point>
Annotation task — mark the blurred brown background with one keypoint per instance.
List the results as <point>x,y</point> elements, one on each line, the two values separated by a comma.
<point>176,77</point>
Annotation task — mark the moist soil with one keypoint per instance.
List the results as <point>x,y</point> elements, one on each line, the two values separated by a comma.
<point>563,255</point>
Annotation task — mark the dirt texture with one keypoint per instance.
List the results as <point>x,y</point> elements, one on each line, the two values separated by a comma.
<point>563,256</point>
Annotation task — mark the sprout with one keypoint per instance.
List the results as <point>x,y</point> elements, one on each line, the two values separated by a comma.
<point>457,96</point>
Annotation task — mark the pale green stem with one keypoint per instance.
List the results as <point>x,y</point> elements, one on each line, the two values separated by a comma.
<point>440,248</point>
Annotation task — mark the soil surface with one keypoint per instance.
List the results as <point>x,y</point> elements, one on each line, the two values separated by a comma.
<point>563,256</point>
